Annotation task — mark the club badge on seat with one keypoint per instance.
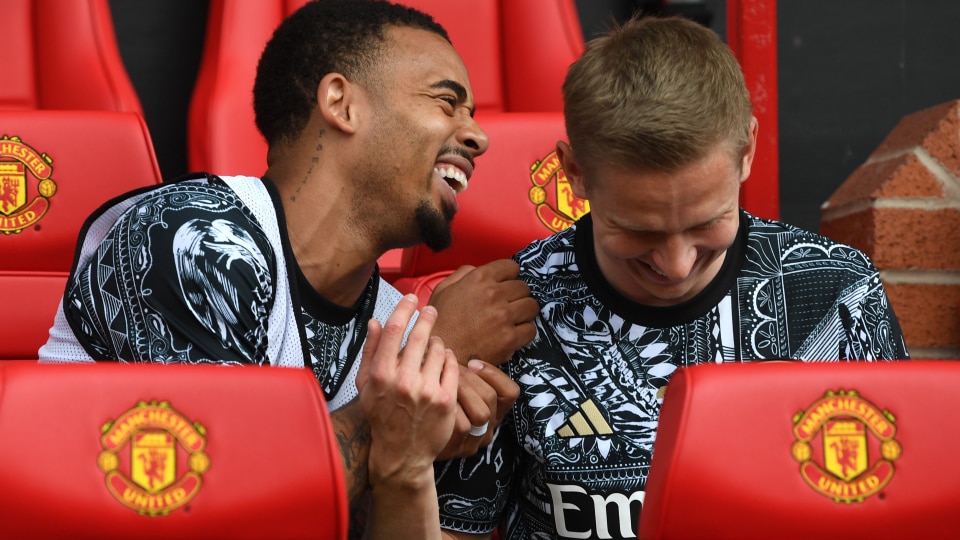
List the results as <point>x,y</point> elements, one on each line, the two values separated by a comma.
<point>845,446</point>
<point>556,205</point>
<point>154,458</point>
<point>18,163</point>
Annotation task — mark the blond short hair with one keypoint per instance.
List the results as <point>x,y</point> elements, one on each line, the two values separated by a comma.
<point>655,93</point>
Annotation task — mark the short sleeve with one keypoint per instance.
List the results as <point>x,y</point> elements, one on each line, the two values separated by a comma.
<point>185,275</point>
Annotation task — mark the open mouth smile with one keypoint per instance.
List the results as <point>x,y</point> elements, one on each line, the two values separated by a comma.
<point>455,178</point>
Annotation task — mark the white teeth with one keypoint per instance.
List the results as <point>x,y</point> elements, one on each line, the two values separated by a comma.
<point>455,174</point>
<point>657,271</point>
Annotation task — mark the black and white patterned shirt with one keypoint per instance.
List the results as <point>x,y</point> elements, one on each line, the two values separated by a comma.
<point>571,459</point>
<point>187,273</point>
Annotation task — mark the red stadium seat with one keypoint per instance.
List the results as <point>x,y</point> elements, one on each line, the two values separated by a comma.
<point>62,54</point>
<point>56,167</point>
<point>795,451</point>
<point>167,451</point>
<point>222,137</point>
<point>518,194</point>
<point>516,51</point>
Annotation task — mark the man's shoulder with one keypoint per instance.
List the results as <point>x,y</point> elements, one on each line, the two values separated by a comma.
<point>549,265</point>
<point>189,185</point>
<point>759,227</point>
<point>791,244</point>
<point>194,196</point>
<point>556,242</point>
<point>193,214</point>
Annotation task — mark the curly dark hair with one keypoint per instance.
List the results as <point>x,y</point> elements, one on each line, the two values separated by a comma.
<point>323,36</point>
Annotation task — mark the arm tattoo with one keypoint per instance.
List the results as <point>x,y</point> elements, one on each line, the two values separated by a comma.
<point>353,437</point>
<point>359,513</point>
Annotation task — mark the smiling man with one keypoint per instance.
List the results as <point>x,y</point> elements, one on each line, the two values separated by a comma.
<point>368,115</point>
<point>665,271</point>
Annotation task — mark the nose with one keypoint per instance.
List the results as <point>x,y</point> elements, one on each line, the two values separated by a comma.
<point>473,137</point>
<point>675,258</point>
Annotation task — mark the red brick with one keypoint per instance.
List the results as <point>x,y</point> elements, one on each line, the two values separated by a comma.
<point>855,230</point>
<point>902,176</point>
<point>902,238</point>
<point>928,314</point>
<point>936,129</point>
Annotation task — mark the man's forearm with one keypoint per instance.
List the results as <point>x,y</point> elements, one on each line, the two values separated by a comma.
<point>404,512</point>
<point>353,437</point>
<point>408,510</point>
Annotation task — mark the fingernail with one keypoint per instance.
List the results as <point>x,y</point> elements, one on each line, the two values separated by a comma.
<point>429,309</point>
<point>411,298</point>
<point>475,365</point>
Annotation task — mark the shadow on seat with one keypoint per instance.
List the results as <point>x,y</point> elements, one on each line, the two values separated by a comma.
<point>167,451</point>
<point>793,450</point>
<point>63,55</point>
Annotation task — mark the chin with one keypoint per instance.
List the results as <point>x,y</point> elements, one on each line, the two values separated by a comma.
<point>434,225</point>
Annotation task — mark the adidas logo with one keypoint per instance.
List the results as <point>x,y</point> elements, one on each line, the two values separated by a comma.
<point>585,423</point>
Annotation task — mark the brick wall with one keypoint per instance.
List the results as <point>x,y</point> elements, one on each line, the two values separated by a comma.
<point>902,208</point>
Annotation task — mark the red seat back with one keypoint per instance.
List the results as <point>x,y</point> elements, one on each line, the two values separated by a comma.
<point>153,451</point>
<point>541,38</point>
<point>63,54</point>
<point>796,451</point>
<point>475,32</point>
<point>56,167</point>
<point>516,51</point>
<point>222,137</point>
<point>518,194</point>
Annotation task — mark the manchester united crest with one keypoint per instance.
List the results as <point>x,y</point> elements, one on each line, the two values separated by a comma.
<point>556,205</point>
<point>845,446</point>
<point>23,171</point>
<point>153,457</point>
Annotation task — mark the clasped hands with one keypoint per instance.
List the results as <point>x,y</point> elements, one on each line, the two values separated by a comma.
<point>441,395</point>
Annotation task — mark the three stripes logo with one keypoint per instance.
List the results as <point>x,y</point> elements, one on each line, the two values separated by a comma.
<point>586,422</point>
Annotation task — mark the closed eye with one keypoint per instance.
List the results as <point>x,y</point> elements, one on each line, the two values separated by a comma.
<point>458,89</point>
<point>706,226</point>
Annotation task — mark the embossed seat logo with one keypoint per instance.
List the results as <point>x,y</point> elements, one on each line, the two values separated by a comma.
<point>16,161</point>
<point>143,455</point>
<point>854,457</point>
<point>556,206</point>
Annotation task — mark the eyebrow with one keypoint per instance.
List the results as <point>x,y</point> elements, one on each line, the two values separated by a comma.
<point>715,219</point>
<point>700,225</point>
<point>457,88</point>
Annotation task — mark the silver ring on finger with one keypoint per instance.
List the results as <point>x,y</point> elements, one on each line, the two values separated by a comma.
<point>479,431</point>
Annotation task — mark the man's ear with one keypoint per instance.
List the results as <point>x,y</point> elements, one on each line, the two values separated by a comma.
<point>335,100</point>
<point>571,169</point>
<point>746,162</point>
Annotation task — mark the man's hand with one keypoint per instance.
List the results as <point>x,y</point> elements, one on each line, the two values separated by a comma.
<point>485,312</point>
<point>485,395</point>
<point>408,397</point>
